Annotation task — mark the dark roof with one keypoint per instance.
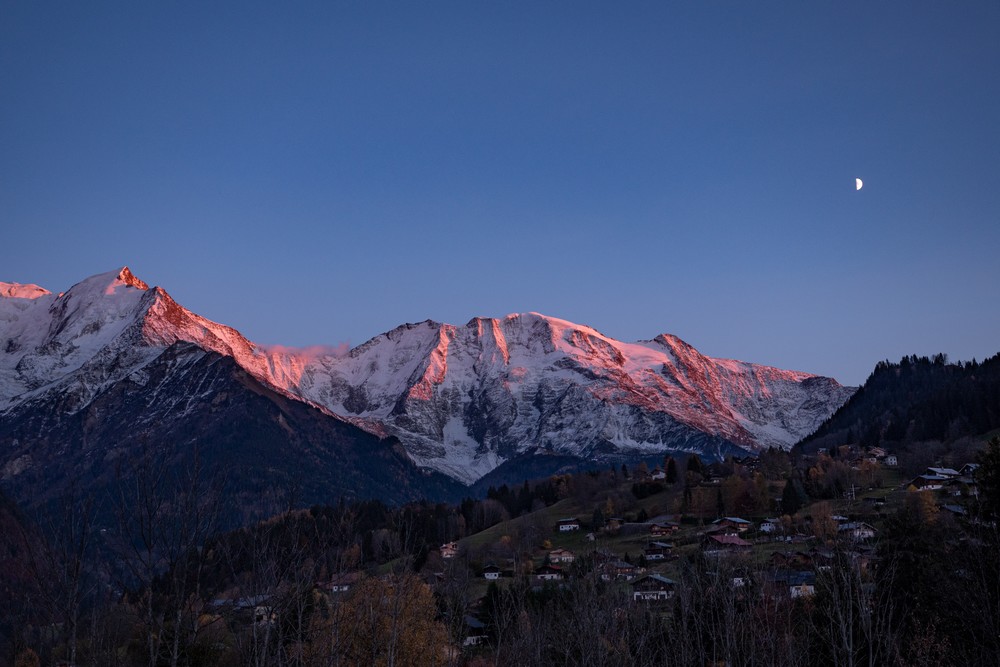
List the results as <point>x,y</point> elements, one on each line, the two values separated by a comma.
<point>793,577</point>
<point>730,540</point>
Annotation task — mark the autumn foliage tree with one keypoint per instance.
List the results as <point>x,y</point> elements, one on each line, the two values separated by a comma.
<point>387,621</point>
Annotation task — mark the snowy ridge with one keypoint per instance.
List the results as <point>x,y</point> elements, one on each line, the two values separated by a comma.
<point>462,399</point>
<point>19,291</point>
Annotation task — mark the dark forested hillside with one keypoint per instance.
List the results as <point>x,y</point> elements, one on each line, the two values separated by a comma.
<point>190,404</point>
<point>917,399</point>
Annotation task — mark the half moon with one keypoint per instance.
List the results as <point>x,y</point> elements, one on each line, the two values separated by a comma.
<point>857,183</point>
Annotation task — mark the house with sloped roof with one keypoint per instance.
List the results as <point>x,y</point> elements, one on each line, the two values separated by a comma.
<point>561,556</point>
<point>658,550</point>
<point>717,545</point>
<point>475,631</point>
<point>652,588</point>
<point>549,573</point>
<point>928,482</point>
<point>618,569</point>
<point>663,528</point>
<point>791,584</point>
<point>856,531</point>
<point>568,524</point>
<point>492,572</point>
<point>732,523</point>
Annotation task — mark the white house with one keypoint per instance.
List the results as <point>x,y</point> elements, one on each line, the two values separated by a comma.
<point>561,556</point>
<point>857,531</point>
<point>566,525</point>
<point>652,588</point>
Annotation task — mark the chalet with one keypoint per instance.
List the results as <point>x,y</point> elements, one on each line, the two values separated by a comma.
<point>449,550</point>
<point>732,524</point>
<point>475,631</point>
<point>791,583</point>
<point>658,475</point>
<point>969,470</point>
<point>891,460</point>
<point>967,479</point>
<point>662,528</point>
<point>928,482</point>
<point>717,545</point>
<point>658,551</point>
<point>803,586</point>
<point>856,531</point>
<point>549,573</point>
<point>652,588</point>
<point>561,556</point>
<point>771,526</point>
<point>942,472</point>
<point>618,569</point>
<point>566,525</point>
<point>492,572</point>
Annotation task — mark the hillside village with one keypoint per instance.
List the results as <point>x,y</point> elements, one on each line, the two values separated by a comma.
<point>769,559</point>
<point>648,532</point>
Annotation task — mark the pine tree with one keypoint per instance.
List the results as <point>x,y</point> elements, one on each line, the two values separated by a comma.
<point>671,470</point>
<point>791,501</point>
<point>694,464</point>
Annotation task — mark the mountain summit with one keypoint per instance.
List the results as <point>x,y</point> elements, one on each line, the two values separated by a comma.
<point>462,400</point>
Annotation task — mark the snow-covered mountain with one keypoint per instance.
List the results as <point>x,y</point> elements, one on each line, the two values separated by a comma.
<point>461,399</point>
<point>466,398</point>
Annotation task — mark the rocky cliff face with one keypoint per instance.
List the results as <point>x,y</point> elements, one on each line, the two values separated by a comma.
<point>461,399</point>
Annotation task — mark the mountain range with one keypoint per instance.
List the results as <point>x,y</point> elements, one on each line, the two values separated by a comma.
<point>424,408</point>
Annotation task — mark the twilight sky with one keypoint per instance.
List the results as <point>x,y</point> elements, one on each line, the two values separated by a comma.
<point>318,173</point>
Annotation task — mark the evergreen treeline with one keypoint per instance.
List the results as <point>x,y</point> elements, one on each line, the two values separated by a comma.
<point>917,399</point>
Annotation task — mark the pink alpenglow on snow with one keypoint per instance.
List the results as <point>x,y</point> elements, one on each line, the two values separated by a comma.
<point>461,399</point>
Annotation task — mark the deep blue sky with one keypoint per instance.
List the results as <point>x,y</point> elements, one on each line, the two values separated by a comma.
<point>315,173</point>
